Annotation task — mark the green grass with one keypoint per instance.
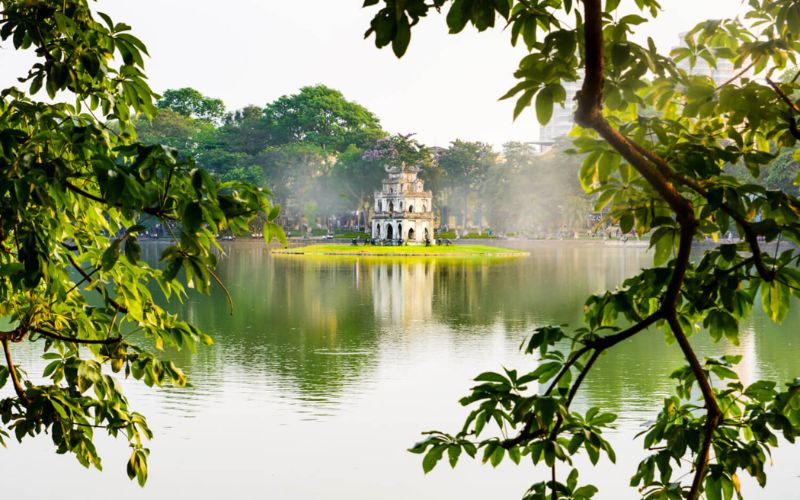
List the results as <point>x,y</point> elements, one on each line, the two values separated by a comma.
<point>451,251</point>
<point>352,234</point>
<point>470,236</point>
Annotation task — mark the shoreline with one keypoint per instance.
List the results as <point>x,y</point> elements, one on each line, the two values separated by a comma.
<point>450,251</point>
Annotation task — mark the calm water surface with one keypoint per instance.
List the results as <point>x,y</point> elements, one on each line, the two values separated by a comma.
<point>329,369</point>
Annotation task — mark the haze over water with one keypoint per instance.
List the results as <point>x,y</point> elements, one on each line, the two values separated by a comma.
<point>330,368</point>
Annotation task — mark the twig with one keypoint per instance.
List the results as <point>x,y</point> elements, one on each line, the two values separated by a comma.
<point>119,307</point>
<point>739,74</point>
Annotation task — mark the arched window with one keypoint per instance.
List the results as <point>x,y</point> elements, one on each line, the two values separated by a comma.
<point>424,208</point>
<point>411,234</point>
<point>401,205</point>
<point>379,205</point>
<point>411,208</point>
<point>391,206</point>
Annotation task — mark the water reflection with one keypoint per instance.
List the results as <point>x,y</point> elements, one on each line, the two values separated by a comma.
<point>329,368</point>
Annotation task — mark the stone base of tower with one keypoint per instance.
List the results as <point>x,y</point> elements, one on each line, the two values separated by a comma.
<point>406,231</point>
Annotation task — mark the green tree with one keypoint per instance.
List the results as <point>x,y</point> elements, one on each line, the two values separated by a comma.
<point>321,116</point>
<point>174,130</point>
<point>656,140</point>
<point>192,104</point>
<point>296,173</point>
<point>467,166</point>
<point>355,178</point>
<point>75,191</point>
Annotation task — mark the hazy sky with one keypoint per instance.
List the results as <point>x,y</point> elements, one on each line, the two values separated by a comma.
<point>251,52</point>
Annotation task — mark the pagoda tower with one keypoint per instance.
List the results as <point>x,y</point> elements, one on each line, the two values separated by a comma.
<point>403,208</point>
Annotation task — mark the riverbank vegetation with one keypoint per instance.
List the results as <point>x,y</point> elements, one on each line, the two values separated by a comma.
<point>323,156</point>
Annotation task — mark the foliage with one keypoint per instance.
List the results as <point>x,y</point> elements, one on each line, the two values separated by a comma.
<point>192,104</point>
<point>318,146</point>
<point>466,166</point>
<point>76,190</point>
<point>321,116</point>
<point>658,142</point>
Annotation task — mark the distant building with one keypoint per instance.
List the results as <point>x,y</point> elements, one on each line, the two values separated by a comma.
<point>403,209</point>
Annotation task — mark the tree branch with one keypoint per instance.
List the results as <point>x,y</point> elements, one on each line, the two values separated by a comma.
<point>660,176</point>
<point>13,372</point>
<point>785,98</point>
<point>740,73</point>
<point>156,212</point>
<point>56,336</point>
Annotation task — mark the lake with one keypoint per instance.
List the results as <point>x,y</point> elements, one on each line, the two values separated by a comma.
<point>329,369</point>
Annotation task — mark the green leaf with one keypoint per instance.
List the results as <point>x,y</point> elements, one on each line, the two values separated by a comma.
<point>544,105</point>
<point>453,451</point>
<point>192,216</point>
<point>402,36</point>
<point>133,252</point>
<point>491,377</point>
<point>523,102</point>
<point>721,323</point>
<point>274,213</point>
<point>432,458</point>
<point>775,300</point>
<point>272,230</point>
<point>111,255</point>
<point>626,222</point>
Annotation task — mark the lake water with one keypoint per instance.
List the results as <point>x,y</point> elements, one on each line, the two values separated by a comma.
<point>329,369</point>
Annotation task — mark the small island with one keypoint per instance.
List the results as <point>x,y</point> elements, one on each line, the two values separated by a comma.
<point>334,249</point>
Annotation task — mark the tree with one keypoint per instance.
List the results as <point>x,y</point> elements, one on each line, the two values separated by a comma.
<point>76,191</point>
<point>657,139</point>
<point>321,116</point>
<point>172,129</point>
<point>192,104</point>
<point>466,166</point>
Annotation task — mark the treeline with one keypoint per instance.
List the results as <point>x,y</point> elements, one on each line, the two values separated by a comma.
<point>322,156</point>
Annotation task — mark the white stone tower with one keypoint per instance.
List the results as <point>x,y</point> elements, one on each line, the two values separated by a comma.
<point>403,208</point>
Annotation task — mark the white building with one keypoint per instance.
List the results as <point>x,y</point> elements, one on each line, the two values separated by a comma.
<point>403,208</point>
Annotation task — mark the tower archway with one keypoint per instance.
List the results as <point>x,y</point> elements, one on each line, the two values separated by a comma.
<point>389,234</point>
<point>411,234</point>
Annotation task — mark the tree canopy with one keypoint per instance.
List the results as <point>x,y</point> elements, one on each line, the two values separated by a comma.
<point>658,139</point>
<point>191,103</point>
<point>78,189</point>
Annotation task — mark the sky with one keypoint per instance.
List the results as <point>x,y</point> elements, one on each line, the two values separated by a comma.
<point>252,52</point>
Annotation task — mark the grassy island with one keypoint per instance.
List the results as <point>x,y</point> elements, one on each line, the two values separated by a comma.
<point>402,251</point>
